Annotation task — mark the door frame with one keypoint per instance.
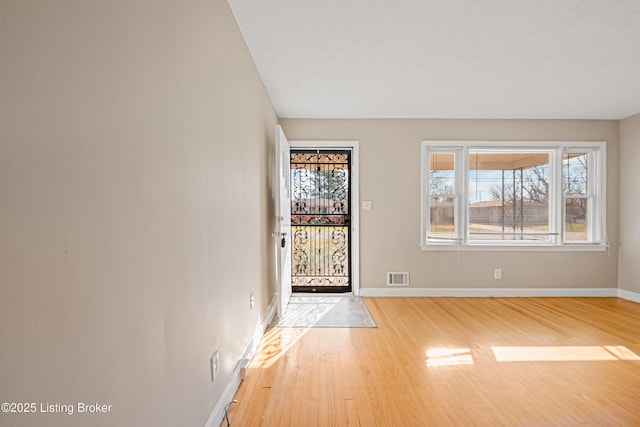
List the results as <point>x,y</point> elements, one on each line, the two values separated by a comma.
<point>354,147</point>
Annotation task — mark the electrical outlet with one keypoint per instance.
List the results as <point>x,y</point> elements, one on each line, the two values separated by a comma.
<point>497,273</point>
<point>252,301</point>
<point>215,366</point>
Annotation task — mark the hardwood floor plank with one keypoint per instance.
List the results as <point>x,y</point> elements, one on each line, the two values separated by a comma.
<point>453,361</point>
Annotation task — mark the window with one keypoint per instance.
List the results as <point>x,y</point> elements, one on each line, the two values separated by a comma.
<point>481,194</point>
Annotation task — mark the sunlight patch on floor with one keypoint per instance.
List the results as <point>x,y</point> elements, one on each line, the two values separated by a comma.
<point>438,357</point>
<point>275,343</point>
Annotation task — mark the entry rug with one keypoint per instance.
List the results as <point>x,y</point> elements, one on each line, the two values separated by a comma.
<point>326,312</point>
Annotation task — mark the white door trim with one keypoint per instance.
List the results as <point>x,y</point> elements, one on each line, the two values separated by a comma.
<point>354,146</point>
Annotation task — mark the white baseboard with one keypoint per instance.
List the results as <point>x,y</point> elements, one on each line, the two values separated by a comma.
<point>489,292</point>
<point>217,414</point>
<point>270,314</point>
<point>629,295</point>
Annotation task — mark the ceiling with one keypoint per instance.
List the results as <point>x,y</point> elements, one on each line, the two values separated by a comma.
<point>547,59</point>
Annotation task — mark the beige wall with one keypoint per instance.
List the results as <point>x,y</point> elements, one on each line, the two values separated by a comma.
<point>125,130</point>
<point>390,177</point>
<point>629,268</point>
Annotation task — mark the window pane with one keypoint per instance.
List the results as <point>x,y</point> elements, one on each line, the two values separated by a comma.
<point>442,181</point>
<point>441,218</point>
<point>508,195</point>
<point>575,173</point>
<point>576,219</point>
<point>442,174</point>
<point>575,185</point>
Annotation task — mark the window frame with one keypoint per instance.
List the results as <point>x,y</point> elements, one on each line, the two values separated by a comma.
<point>596,195</point>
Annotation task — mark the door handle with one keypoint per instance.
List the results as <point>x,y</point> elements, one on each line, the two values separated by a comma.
<point>283,241</point>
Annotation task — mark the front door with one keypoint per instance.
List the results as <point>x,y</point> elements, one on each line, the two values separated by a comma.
<point>320,220</point>
<point>282,187</point>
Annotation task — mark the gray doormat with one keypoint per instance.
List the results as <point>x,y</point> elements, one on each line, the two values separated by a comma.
<point>326,312</point>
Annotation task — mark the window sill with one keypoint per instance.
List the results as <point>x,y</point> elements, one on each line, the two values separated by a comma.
<point>514,248</point>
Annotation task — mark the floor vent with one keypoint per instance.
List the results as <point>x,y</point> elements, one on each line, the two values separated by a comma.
<point>398,278</point>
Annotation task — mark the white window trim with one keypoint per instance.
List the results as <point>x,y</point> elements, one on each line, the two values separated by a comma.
<point>597,176</point>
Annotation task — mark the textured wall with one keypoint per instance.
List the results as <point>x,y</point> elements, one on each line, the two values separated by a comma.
<point>135,205</point>
<point>390,177</point>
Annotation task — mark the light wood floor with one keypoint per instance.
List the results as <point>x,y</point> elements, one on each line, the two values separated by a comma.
<point>450,362</point>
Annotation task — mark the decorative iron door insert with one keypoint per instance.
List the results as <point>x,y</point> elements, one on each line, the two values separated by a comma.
<point>320,221</point>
